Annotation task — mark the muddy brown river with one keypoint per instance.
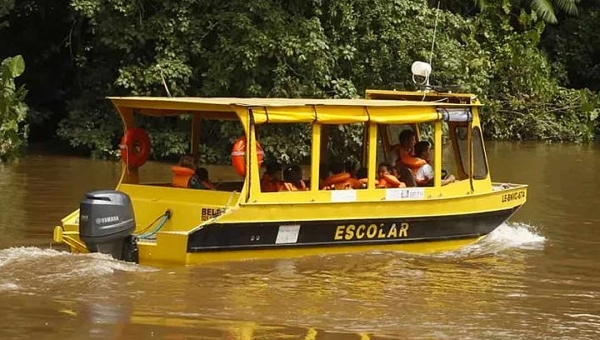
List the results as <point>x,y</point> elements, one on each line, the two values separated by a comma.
<point>536,277</point>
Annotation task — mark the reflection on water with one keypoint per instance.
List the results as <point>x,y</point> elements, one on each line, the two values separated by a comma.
<point>533,278</point>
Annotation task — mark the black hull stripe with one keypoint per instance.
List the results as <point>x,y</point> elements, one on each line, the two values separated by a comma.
<point>256,236</point>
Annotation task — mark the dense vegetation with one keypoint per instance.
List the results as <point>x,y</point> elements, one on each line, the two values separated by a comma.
<point>13,110</point>
<point>537,79</point>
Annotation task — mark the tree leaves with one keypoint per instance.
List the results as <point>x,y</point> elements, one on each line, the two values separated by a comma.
<point>13,112</point>
<point>336,49</point>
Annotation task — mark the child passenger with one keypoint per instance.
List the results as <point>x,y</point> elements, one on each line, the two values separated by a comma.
<point>292,178</point>
<point>200,180</point>
<point>271,179</point>
<point>183,172</point>
<point>385,178</point>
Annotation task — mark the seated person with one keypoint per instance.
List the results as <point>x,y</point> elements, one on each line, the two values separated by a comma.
<point>425,175</point>
<point>292,179</point>
<point>405,175</point>
<point>271,179</point>
<point>183,172</point>
<point>363,177</point>
<point>200,180</point>
<point>385,179</point>
<point>405,151</point>
<point>323,174</point>
<point>340,179</point>
<point>350,167</point>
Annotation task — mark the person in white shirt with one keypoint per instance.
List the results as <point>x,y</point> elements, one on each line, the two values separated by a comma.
<point>424,176</point>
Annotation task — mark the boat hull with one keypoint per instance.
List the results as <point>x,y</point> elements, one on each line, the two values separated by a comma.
<point>416,234</point>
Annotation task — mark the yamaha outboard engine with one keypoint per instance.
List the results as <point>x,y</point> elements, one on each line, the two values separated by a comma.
<point>106,224</point>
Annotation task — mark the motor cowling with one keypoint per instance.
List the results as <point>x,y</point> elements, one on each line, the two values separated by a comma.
<point>106,224</point>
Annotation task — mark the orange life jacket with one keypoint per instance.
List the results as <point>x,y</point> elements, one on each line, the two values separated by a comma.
<point>390,181</point>
<point>268,184</point>
<point>338,182</point>
<point>288,186</point>
<point>181,176</point>
<point>410,161</point>
<point>355,183</point>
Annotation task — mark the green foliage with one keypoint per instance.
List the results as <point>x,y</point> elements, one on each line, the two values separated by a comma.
<point>525,100</point>
<point>92,125</point>
<point>5,7</point>
<point>573,47</point>
<point>259,48</point>
<point>296,48</point>
<point>13,111</point>
<point>297,135</point>
<point>542,9</point>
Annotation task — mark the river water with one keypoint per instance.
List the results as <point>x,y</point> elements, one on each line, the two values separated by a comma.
<point>536,277</point>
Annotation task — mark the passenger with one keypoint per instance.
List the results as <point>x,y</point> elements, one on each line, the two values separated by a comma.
<point>292,178</point>
<point>405,175</point>
<point>200,180</point>
<point>425,175</point>
<point>350,167</point>
<point>323,174</point>
<point>385,179</point>
<point>339,180</point>
<point>405,151</point>
<point>271,179</point>
<point>183,172</point>
<point>363,177</point>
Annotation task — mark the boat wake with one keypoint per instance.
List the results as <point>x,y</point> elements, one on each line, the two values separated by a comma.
<point>512,235</point>
<point>27,269</point>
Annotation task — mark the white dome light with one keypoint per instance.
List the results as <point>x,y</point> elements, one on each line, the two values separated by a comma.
<point>421,69</point>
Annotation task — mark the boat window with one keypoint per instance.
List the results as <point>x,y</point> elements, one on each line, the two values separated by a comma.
<point>381,150</point>
<point>427,135</point>
<point>285,169</point>
<point>449,158</point>
<point>390,138</point>
<point>480,169</point>
<point>426,132</point>
<point>480,166</point>
<point>342,151</point>
<point>388,173</point>
<point>462,146</point>
<point>207,165</point>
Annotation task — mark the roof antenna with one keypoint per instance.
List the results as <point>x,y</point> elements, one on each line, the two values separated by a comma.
<point>423,69</point>
<point>164,82</point>
<point>437,14</point>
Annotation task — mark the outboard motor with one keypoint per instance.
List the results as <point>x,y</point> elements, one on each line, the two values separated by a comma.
<point>106,224</point>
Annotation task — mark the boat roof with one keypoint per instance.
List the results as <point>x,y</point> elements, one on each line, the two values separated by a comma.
<point>287,110</point>
<point>394,94</point>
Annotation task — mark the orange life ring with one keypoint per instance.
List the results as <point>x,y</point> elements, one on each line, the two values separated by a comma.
<point>390,181</point>
<point>135,147</point>
<point>238,155</point>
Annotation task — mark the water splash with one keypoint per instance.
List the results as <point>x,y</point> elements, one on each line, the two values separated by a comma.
<point>516,235</point>
<point>511,235</point>
<point>31,269</point>
<point>9,286</point>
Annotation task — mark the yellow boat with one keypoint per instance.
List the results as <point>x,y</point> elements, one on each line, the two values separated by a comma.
<point>160,224</point>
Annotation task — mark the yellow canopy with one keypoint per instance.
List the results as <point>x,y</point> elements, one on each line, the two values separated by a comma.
<point>283,110</point>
